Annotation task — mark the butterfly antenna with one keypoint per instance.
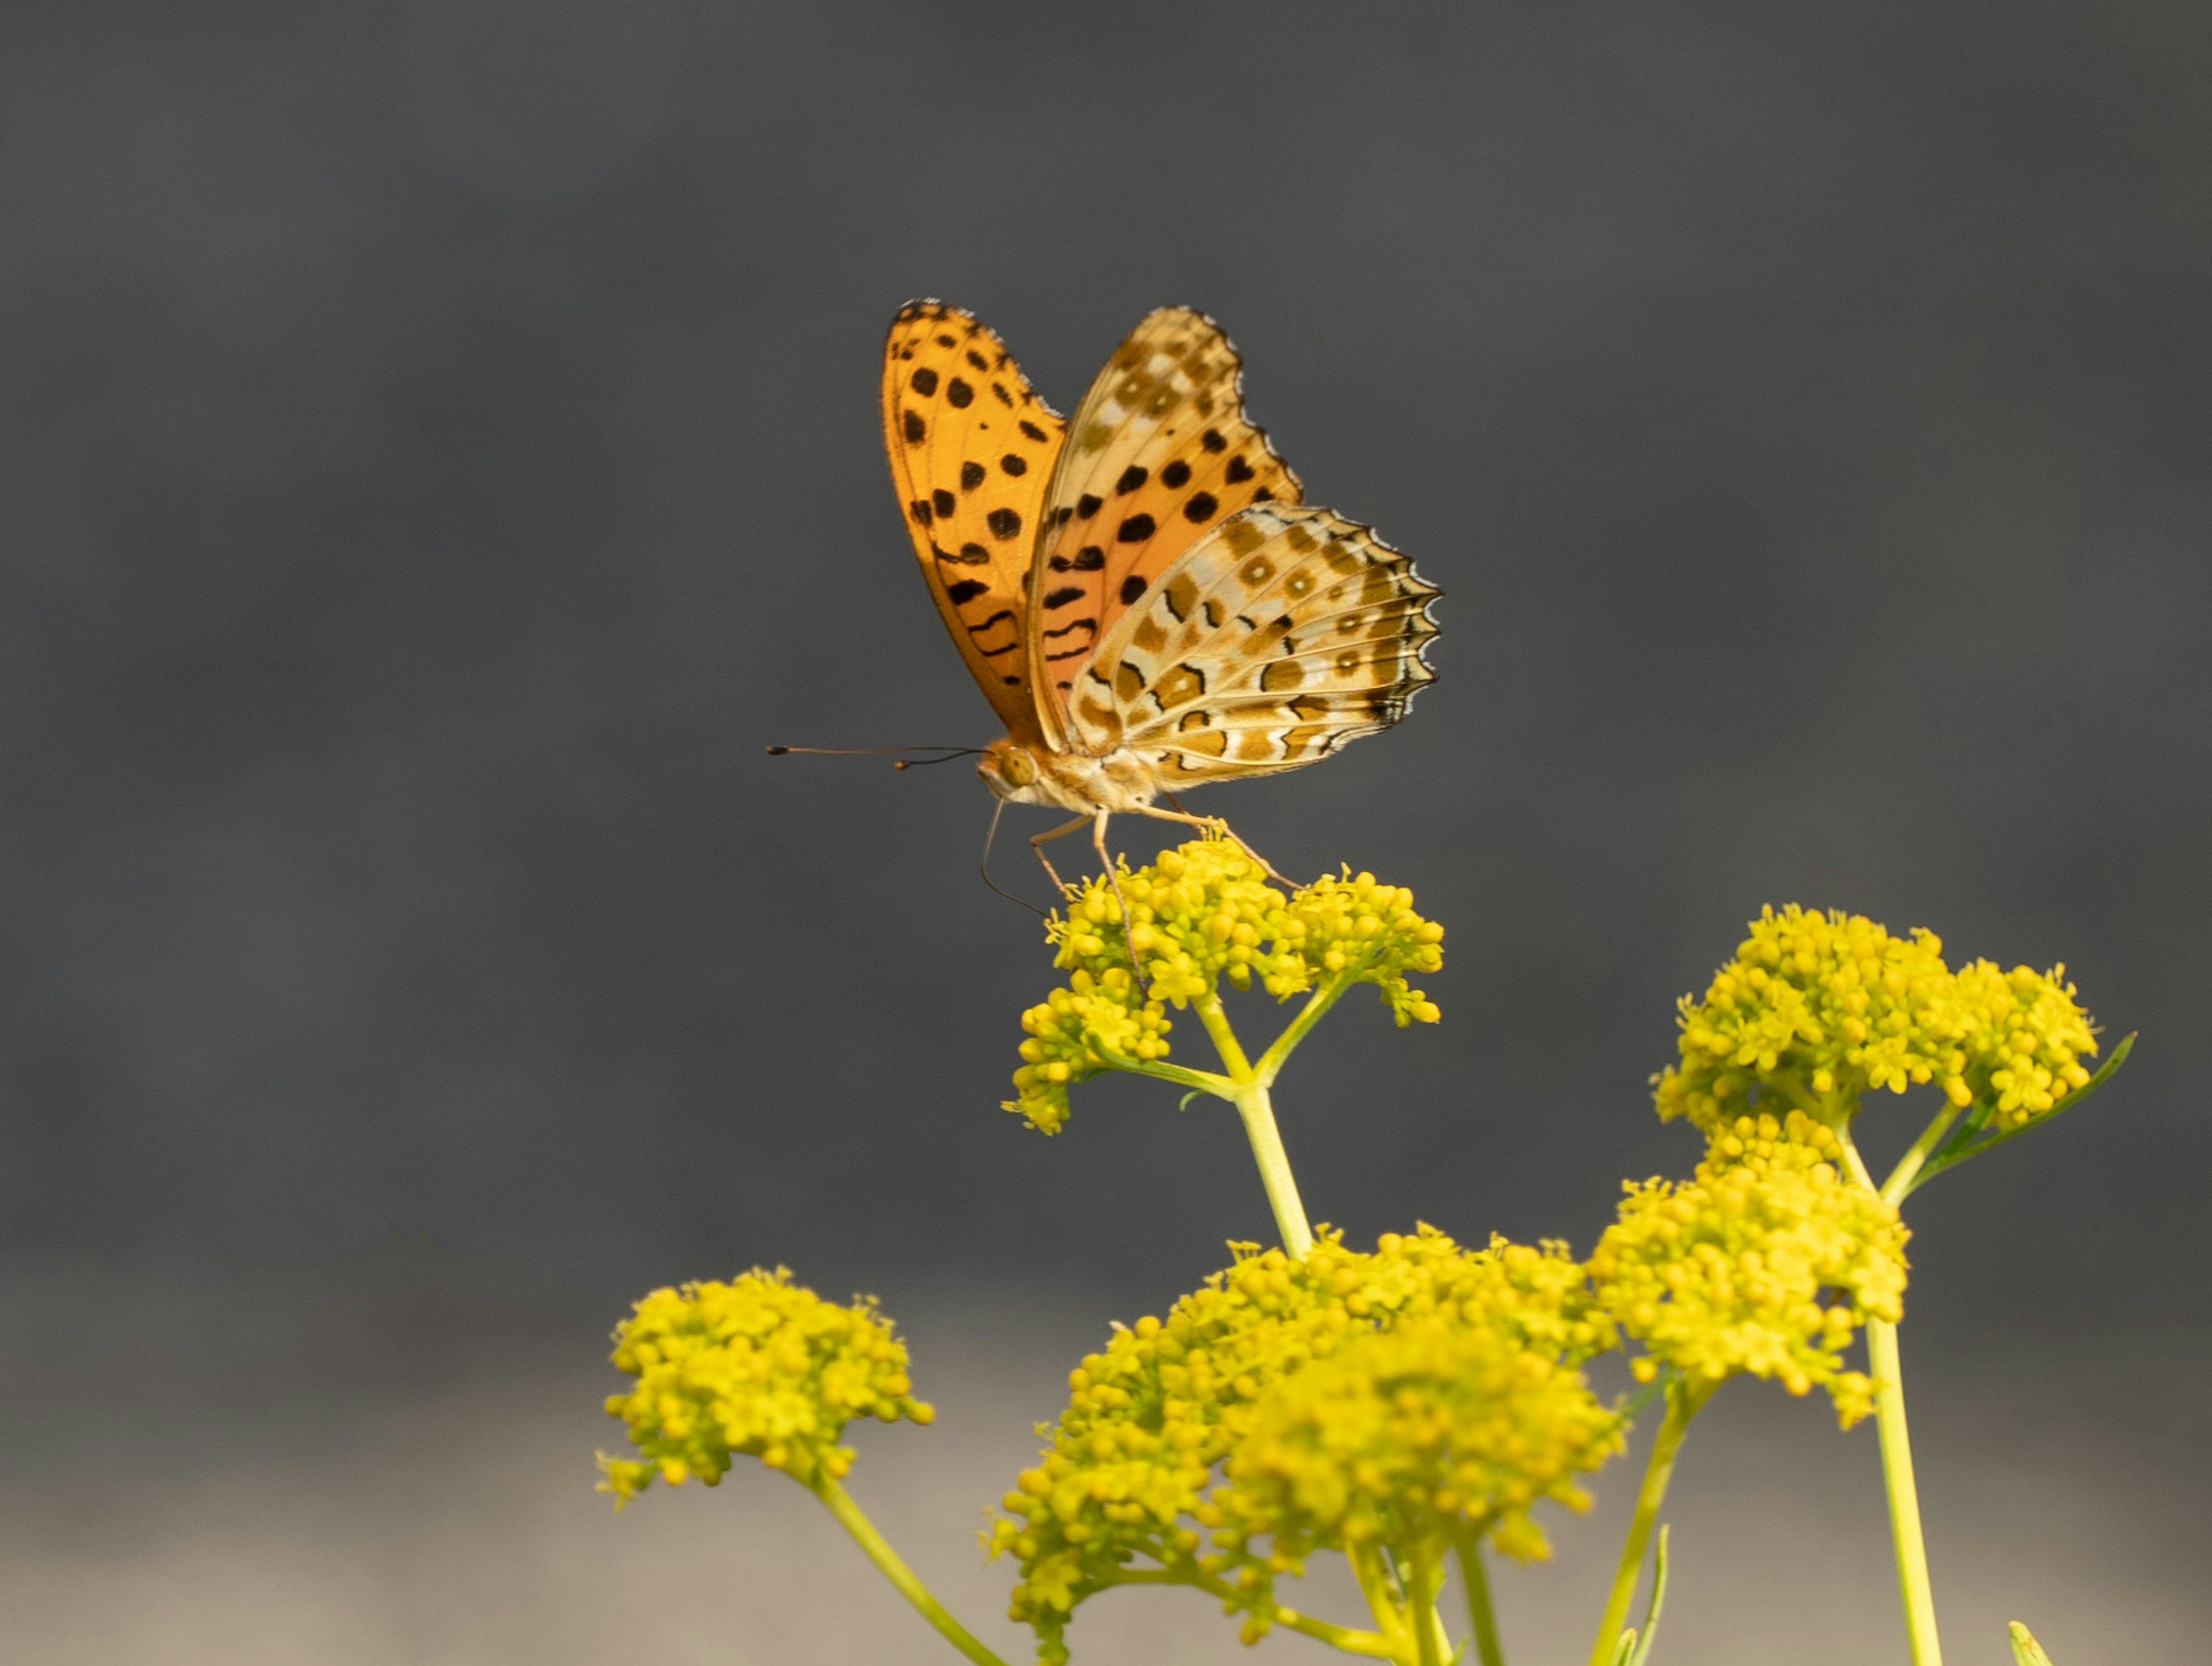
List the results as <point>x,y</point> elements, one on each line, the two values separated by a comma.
<point>997,810</point>
<point>945,754</point>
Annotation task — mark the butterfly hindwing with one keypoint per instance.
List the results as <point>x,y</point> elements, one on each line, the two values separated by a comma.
<point>1159,453</point>
<point>972,452</point>
<point>1285,631</point>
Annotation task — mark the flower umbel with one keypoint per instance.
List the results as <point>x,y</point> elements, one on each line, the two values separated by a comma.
<point>1151,1416</point>
<point>758,1367</point>
<point>1816,1008</point>
<point>1423,1435</point>
<point>1727,1273</point>
<point>1197,915</point>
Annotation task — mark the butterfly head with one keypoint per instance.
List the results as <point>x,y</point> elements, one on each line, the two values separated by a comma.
<point>1010,770</point>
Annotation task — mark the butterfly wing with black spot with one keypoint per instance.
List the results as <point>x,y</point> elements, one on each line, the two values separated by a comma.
<point>972,451</point>
<point>1159,453</point>
<point>1281,635</point>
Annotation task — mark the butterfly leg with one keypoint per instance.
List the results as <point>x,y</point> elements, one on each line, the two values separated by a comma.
<point>1106,862</point>
<point>1215,824</point>
<point>1041,840</point>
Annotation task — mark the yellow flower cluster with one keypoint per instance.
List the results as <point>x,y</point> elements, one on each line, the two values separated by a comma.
<point>758,1367</point>
<point>1096,1023</point>
<point>1817,1009</point>
<point>1150,1416</point>
<point>2030,1037</point>
<point>1421,1436</point>
<point>1725,1272</point>
<point>1199,914</point>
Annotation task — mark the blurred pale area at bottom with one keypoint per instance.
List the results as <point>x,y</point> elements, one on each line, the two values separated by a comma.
<point>196,1478</point>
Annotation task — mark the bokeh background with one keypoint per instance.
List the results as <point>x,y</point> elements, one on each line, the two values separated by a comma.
<point>438,451</point>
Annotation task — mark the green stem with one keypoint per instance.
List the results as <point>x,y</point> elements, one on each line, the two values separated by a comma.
<point>1476,1579</point>
<point>1915,1588</point>
<point>1912,1581</point>
<point>839,1504</point>
<point>1315,1008</point>
<point>1205,1081</point>
<point>1900,1177</point>
<point>1375,1585</point>
<point>1259,1114</point>
<point>1683,1403</point>
<point>1208,1008</point>
<point>1250,1095</point>
<point>1424,1581</point>
<point>1373,1644</point>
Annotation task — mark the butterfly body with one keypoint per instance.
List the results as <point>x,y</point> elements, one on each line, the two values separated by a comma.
<point>1115,783</point>
<point>1138,591</point>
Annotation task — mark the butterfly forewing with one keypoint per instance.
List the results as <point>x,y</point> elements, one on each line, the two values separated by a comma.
<point>1284,634</point>
<point>972,452</point>
<point>1159,453</point>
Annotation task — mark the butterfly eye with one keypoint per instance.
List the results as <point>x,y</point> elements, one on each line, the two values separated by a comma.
<point>1018,768</point>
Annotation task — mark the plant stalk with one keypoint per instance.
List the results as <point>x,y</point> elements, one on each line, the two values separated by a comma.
<point>1913,1582</point>
<point>839,1504</point>
<point>1915,1590</point>
<point>1683,1403</point>
<point>1259,1114</point>
<point>1424,1583</point>
<point>1480,1614</point>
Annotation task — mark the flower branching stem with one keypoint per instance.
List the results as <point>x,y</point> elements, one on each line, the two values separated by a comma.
<point>1684,1401</point>
<point>1916,1591</point>
<point>888,1561</point>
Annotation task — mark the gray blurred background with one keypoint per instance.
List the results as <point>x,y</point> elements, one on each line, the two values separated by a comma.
<point>438,450</point>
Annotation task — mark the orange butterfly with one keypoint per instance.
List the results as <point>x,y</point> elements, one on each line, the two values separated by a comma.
<point>1140,594</point>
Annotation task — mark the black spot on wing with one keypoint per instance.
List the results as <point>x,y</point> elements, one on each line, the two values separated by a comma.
<point>971,476</point>
<point>966,591</point>
<point>1212,441</point>
<point>1239,471</point>
<point>1137,529</point>
<point>958,394</point>
<point>925,381</point>
<point>1089,559</point>
<point>978,359</point>
<point>945,501</point>
<point>1033,432</point>
<point>1060,598</point>
<point>1132,588</point>
<point>1013,465</point>
<point>1175,474</point>
<point>1004,523</point>
<point>1132,478</point>
<point>1086,506</point>
<point>914,428</point>
<point>921,511</point>
<point>1201,504</point>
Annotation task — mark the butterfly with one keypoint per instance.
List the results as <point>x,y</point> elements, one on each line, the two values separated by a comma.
<point>1140,591</point>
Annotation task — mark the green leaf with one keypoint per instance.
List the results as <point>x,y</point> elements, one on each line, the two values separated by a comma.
<point>1658,1602</point>
<point>1964,1141</point>
<point>2025,1649</point>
